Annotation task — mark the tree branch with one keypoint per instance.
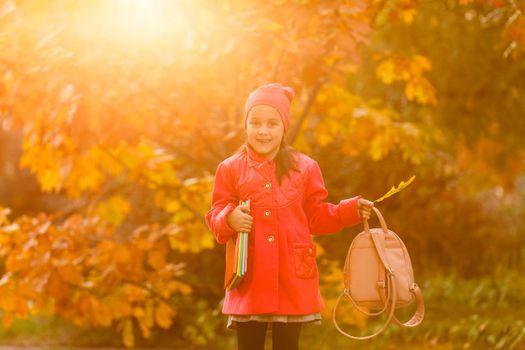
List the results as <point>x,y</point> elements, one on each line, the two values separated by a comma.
<point>306,110</point>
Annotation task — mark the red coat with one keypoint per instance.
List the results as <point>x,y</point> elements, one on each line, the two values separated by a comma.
<point>282,276</point>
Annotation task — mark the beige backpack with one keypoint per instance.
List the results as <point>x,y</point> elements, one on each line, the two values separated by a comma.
<point>378,277</point>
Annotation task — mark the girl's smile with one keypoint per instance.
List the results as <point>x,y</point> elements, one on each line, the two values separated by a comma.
<point>264,130</point>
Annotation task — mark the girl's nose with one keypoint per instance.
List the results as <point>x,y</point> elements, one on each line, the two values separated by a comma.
<point>262,130</point>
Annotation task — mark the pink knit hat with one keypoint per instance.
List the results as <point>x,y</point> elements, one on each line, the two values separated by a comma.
<point>275,95</point>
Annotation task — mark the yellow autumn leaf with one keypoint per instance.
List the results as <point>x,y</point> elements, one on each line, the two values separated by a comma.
<point>163,315</point>
<point>50,180</point>
<point>138,312</point>
<point>408,15</point>
<point>323,136</point>
<point>386,71</point>
<point>127,335</point>
<point>176,286</point>
<point>85,175</point>
<point>114,210</point>
<point>421,90</point>
<point>423,62</point>
<point>106,161</point>
<point>148,314</point>
<point>146,332</point>
<point>395,190</point>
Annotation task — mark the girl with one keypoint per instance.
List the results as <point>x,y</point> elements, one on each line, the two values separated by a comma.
<point>286,192</point>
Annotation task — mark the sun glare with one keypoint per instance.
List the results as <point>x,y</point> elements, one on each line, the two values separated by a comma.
<point>143,19</point>
<point>141,14</point>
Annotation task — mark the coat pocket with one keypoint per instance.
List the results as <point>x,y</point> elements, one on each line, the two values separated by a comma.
<point>304,258</point>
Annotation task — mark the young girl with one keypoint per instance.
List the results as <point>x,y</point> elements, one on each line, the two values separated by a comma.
<point>286,192</point>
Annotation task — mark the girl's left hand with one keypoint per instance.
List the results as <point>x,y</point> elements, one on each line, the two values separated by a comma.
<point>364,208</point>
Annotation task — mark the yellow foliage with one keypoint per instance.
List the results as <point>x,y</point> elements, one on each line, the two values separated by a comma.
<point>176,286</point>
<point>410,70</point>
<point>386,71</point>
<point>360,128</point>
<point>164,315</point>
<point>422,62</point>
<point>114,210</point>
<point>420,90</point>
<point>408,15</point>
<point>84,176</point>
<point>384,142</point>
<point>193,238</point>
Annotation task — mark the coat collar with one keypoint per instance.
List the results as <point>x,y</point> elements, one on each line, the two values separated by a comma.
<point>255,159</point>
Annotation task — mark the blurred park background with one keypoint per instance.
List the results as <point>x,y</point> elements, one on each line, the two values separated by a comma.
<point>115,113</point>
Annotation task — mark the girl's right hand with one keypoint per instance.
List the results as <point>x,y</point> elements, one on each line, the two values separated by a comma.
<point>240,219</point>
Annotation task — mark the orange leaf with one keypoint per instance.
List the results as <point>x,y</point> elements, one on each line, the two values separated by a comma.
<point>7,319</point>
<point>164,315</point>
<point>156,259</point>
<point>70,273</point>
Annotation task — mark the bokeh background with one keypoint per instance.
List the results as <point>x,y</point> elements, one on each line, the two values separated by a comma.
<point>115,113</point>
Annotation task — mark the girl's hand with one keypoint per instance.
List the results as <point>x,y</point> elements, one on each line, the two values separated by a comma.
<point>364,208</point>
<point>240,219</point>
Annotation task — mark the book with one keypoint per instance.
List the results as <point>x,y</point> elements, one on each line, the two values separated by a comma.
<point>236,258</point>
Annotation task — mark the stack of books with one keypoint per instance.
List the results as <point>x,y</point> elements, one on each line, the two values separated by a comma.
<point>236,258</point>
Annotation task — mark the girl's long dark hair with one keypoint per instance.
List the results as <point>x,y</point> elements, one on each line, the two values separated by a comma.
<point>284,160</point>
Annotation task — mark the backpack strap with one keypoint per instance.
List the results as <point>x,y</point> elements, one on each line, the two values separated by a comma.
<point>379,242</point>
<point>420,309</point>
<point>391,285</point>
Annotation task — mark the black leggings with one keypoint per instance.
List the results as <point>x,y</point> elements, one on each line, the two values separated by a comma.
<point>251,335</point>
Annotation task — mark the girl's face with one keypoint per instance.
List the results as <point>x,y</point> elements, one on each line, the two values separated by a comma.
<point>264,130</point>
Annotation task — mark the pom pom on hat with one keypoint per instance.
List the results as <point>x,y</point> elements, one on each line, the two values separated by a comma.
<point>274,94</point>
